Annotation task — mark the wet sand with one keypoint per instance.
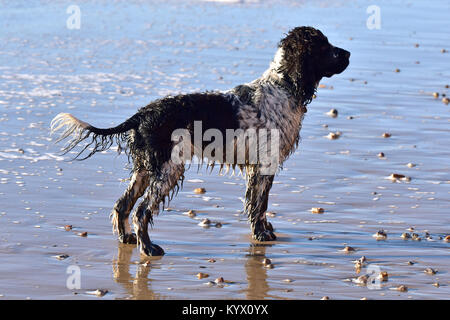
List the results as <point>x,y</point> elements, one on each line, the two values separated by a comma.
<point>127,55</point>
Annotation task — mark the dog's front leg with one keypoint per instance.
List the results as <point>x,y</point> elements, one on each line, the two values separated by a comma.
<point>256,201</point>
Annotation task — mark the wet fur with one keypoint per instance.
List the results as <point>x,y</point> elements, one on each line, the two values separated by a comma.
<point>276,100</point>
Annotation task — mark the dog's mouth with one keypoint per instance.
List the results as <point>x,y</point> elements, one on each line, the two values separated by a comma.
<point>340,68</point>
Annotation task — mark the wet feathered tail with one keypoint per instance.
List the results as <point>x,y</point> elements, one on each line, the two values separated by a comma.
<point>100,139</point>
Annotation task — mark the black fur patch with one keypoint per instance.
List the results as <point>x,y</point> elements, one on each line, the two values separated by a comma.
<point>152,144</point>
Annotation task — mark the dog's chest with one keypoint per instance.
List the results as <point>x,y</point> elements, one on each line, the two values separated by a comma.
<point>268,106</point>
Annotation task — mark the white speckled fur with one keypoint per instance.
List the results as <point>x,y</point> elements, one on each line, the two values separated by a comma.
<point>275,108</point>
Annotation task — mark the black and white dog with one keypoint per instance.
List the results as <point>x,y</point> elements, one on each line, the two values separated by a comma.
<point>277,100</point>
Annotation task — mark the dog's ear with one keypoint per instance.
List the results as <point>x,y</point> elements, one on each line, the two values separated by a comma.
<point>298,66</point>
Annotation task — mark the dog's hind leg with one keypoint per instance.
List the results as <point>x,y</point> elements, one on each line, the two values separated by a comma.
<point>160,187</point>
<point>256,201</point>
<point>123,206</point>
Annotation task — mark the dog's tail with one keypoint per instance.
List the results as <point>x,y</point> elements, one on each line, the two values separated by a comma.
<point>101,139</point>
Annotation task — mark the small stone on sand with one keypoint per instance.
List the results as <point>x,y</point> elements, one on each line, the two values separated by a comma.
<point>202,275</point>
<point>317,210</point>
<point>430,271</point>
<point>332,113</point>
<point>348,249</point>
<point>333,135</point>
<point>380,235</point>
<point>219,280</point>
<point>205,223</point>
<point>191,213</point>
<point>199,190</point>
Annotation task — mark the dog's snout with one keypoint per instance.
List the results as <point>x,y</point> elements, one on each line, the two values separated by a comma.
<point>338,52</point>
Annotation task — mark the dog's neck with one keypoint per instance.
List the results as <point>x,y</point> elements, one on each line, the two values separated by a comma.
<point>274,75</point>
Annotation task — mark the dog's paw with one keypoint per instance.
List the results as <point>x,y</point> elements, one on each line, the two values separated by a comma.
<point>152,250</point>
<point>129,238</point>
<point>266,235</point>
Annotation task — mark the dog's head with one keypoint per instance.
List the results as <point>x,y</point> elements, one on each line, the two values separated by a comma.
<point>307,58</point>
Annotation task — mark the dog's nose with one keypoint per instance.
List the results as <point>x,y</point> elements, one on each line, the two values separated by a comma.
<point>347,54</point>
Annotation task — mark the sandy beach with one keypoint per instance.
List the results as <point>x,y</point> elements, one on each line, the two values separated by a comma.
<point>126,54</point>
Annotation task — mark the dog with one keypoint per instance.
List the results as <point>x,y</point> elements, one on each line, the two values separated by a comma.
<point>277,100</point>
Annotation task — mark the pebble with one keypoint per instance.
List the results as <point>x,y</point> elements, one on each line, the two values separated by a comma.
<point>436,284</point>
<point>397,70</point>
<point>397,176</point>
<point>383,276</point>
<point>266,262</point>
<point>411,165</point>
<point>61,256</point>
<point>348,249</point>
<point>218,225</point>
<point>98,292</point>
<point>362,280</point>
<point>381,155</point>
<point>401,288</point>
<point>386,135</point>
<point>333,135</point>
<point>205,223</point>
<point>406,235</point>
<point>211,260</point>
<point>325,298</point>
<point>202,275</point>
<point>430,271</point>
<point>191,213</point>
<point>416,237</point>
<point>445,100</point>
<point>68,227</point>
<point>317,210</point>
<point>332,113</point>
<point>380,235</point>
<point>436,94</point>
<point>287,280</point>
<point>199,190</point>
<point>83,234</point>
<point>219,280</point>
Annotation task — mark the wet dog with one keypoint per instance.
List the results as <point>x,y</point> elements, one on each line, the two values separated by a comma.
<point>276,101</point>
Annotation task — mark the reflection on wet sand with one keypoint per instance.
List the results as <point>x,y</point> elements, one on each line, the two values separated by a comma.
<point>139,286</point>
<point>258,287</point>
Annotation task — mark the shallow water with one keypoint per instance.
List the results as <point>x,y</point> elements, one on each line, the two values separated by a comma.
<point>126,55</point>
